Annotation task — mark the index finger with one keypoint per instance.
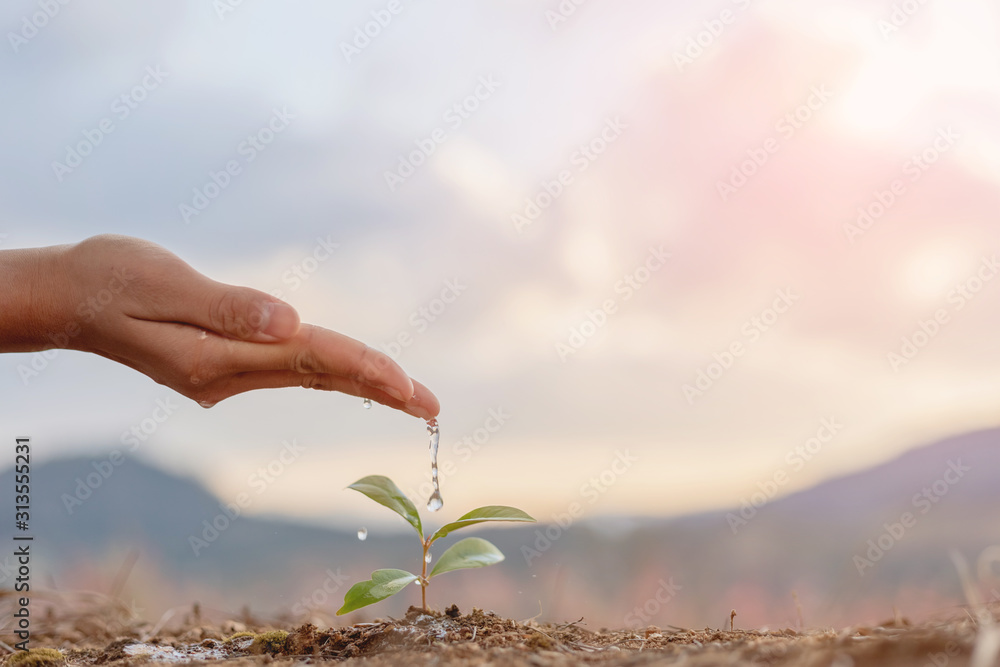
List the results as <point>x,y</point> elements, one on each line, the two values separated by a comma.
<point>317,350</point>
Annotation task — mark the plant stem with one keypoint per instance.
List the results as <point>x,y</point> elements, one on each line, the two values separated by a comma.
<point>423,577</point>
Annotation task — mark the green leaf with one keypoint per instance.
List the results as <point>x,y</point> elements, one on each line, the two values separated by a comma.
<point>383,584</point>
<point>481,514</point>
<point>470,552</point>
<point>385,492</point>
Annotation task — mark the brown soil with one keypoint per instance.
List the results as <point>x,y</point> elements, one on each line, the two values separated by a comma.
<point>110,636</point>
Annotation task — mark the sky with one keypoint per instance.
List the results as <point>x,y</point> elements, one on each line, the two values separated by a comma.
<point>647,254</point>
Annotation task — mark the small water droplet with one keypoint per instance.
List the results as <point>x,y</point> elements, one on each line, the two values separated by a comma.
<point>362,534</point>
<point>195,379</point>
<point>368,404</point>
<point>206,404</point>
<point>202,335</point>
<point>428,557</point>
<point>434,503</point>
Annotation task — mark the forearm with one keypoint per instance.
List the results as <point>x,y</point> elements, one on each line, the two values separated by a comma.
<point>31,298</point>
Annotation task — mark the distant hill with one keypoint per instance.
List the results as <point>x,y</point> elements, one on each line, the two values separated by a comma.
<point>808,542</point>
<point>885,484</point>
<point>142,507</point>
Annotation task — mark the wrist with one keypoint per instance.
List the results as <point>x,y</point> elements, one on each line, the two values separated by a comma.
<point>33,299</point>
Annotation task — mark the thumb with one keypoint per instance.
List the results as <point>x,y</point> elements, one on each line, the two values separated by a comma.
<point>246,314</point>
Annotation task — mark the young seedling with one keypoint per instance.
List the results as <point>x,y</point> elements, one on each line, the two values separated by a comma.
<point>464,554</point>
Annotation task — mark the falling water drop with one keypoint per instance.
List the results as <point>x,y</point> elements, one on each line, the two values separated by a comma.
<point>435,502</point>
<point>368,404</point>
<point>362,534</point>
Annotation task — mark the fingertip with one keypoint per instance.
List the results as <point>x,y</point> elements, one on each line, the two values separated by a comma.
<point>418,412</point>
<point>423,404</point>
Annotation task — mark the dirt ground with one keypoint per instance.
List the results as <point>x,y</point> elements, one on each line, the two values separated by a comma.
<point>98,631</point>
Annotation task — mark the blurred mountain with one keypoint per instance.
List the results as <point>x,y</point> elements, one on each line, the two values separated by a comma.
<point>849,548</point>
<point>89,511</point>
<point>843,545</point>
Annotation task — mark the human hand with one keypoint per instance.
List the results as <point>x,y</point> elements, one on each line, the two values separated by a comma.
<point>133,301</point>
